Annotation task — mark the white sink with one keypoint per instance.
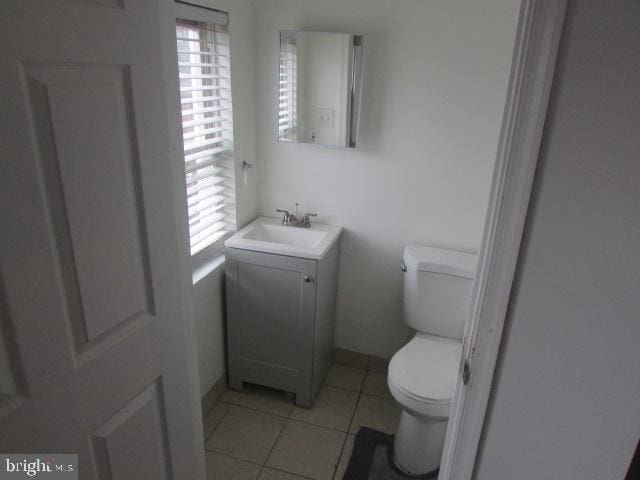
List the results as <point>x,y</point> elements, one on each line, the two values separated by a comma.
<point>268,235</point>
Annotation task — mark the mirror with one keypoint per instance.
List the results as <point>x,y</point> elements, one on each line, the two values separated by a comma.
<point>319,87</point>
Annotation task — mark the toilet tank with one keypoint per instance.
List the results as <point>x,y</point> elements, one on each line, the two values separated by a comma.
<point>437,289</point>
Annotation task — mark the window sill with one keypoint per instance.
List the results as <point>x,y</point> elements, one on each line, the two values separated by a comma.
<point>206,268</point>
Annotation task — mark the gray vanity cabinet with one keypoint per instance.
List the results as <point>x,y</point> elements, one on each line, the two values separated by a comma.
<point>280,316</point>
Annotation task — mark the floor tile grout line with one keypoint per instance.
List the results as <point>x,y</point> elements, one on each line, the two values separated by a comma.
<point>353,416</point>
<point>291,411</point>
<point>294,405</point>
<point>320,426</point>
<point>354,411</point>
<point>253,409</point>
<point>266,459</point>
<point>360,393</point>
<point>262,466</point>
<point>280,469</point>
<point>346,434</point>
<point>217,424</point>
<point>235,458</point>
<point>351,366</point>
<point>346,438</point>
<point>289,416</point>
<point>365,369</point>
<point>341,388</point>
<point>389,397</point>
<point>364,382</point>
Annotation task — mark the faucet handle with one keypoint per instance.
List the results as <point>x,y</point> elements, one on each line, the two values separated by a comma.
<point>285,217</point>
<point>305,219</point>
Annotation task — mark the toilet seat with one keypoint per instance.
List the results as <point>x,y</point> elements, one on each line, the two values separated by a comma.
<point>423,374</point>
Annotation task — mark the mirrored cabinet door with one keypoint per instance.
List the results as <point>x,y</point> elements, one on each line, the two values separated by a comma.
<point>319,87</point>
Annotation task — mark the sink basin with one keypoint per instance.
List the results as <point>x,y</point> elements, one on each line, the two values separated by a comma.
<point>296,237</point>
<point>268,235</point>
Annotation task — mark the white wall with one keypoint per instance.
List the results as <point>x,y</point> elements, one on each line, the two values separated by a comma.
<point>208,316</point>
<point>434,85</point>
<point>567,398</point>
<point>208,300</point>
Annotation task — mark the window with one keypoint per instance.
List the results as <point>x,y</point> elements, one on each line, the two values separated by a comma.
<point>287,88</point>
<point>207,125</point>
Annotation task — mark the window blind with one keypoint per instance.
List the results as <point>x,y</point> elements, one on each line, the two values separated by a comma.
<point>207,130</point>
<point>287,89</point>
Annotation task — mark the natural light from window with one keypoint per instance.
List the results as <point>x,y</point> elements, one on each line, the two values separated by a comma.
<point>207,131</point>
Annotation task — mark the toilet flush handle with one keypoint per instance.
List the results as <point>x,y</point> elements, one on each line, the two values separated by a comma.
<point>403,266</point>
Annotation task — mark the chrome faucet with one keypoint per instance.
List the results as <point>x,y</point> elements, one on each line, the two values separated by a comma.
<point>306,222</point>
<point>292,220</point>
<point>285,217</point>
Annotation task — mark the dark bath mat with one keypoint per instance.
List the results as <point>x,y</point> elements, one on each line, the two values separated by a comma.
<point>371,458</point>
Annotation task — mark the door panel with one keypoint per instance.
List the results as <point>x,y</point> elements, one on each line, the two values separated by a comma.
<point>137,427</point>
<point>270,309</point>
<point>91,303</point>
<point>92,194</point>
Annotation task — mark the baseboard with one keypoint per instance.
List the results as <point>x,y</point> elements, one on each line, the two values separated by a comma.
<point>362,361</point>
<point>212,396</point>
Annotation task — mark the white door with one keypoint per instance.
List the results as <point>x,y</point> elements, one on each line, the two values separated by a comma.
<point>534,59</point>
<point>92,314</point>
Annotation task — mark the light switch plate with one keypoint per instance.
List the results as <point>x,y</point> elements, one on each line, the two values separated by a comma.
<point>324,117</point>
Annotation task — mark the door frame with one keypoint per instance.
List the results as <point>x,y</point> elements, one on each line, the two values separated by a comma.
<point>167,16</point>
<point>533,62</point>
<point>534,57</point>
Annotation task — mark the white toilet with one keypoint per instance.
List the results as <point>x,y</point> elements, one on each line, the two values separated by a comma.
<point>422,374</point>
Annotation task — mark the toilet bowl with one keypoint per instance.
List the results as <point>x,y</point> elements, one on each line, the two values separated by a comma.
<point>422,375</point>
<point>422,379</point>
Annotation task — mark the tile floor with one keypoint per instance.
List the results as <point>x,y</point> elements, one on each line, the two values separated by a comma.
<point>263,435</point>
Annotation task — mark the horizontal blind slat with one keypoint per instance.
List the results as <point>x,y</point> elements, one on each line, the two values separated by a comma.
<point>194,203</point>
<point>193,166</point>
<point>212,98</point>
<point>213,195</point>
<point>204,210</point>
<point>205,88</point>
<point>197,246</point>
<point>206,130</point>
<point>203,173</point>
<point>211,230</point>
<point>205,222</point>
<point>194,64</point>
<point>206,121</point>
<point>215,184</point>
<point>202,52</point>
<point>198,76</point>
<point>198,111</point>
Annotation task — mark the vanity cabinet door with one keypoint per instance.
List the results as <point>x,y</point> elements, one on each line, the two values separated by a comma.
<point>270,322</point>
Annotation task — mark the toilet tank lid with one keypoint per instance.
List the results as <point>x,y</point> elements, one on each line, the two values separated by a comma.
<point>440,260</point>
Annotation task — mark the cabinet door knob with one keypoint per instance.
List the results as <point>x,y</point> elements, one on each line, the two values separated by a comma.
<point>307,279</point>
